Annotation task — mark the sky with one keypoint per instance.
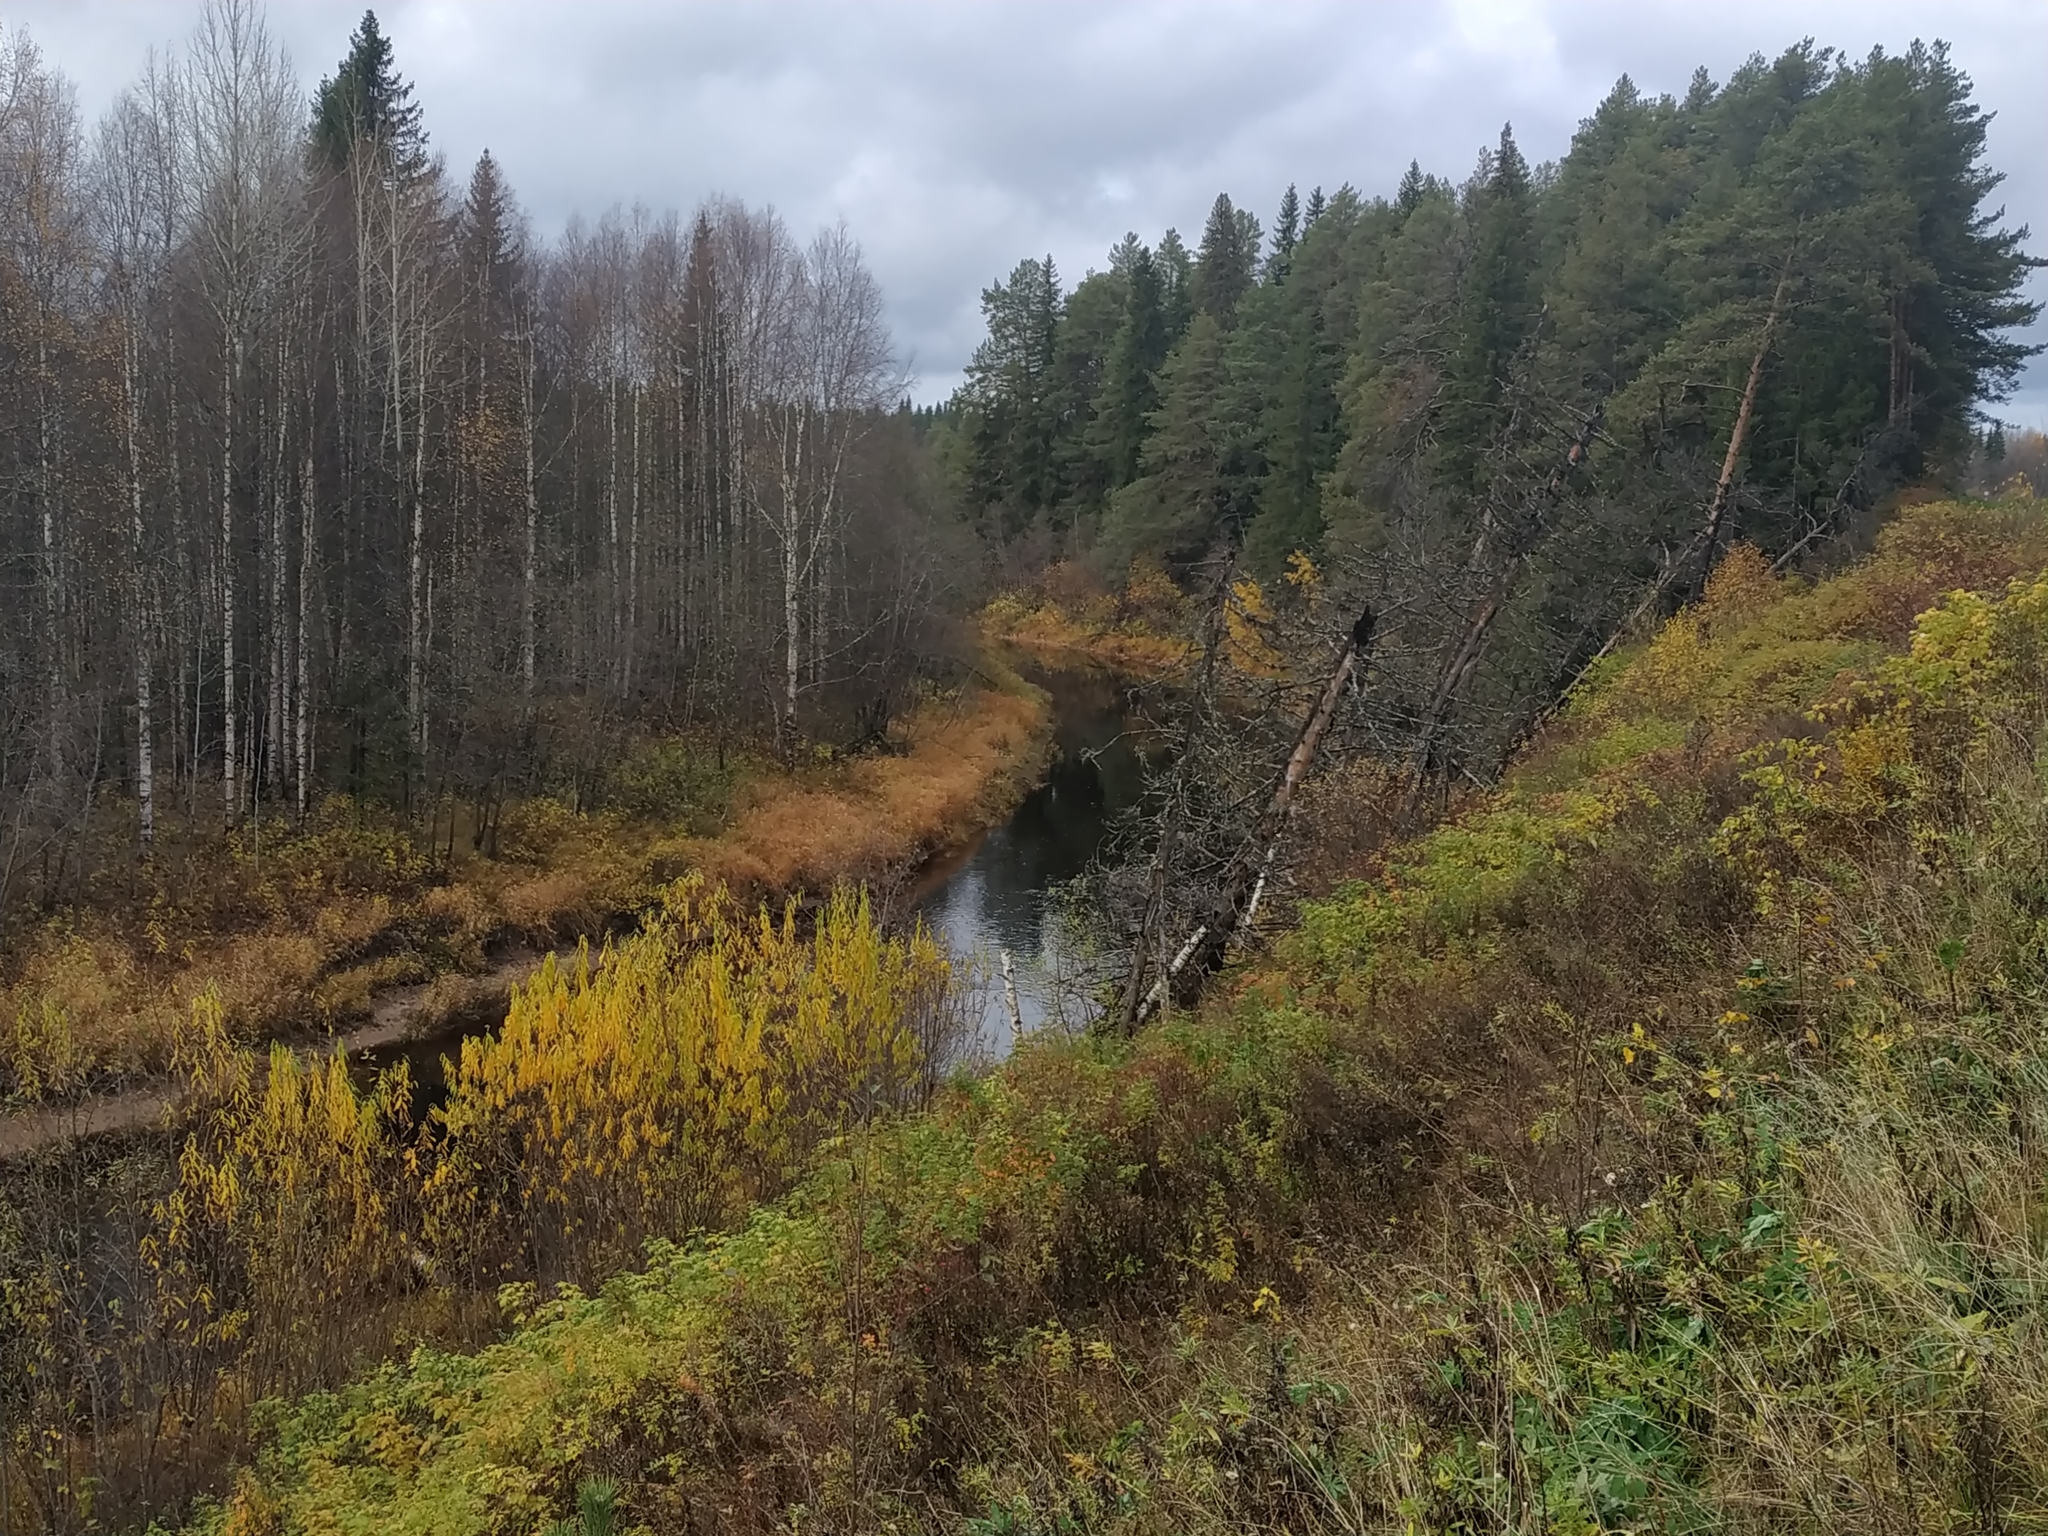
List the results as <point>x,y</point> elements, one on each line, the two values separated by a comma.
<point>955,138</point>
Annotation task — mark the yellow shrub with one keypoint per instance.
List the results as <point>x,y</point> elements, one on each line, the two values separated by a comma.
<point>287,1211</point>
<point>685,1073</point>
<point>1247,619</point>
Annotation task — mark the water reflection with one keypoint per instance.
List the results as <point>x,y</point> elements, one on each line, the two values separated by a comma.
<point>997,896</point>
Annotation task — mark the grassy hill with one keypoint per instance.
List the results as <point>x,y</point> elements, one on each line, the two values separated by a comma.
<point>1660,1143</point>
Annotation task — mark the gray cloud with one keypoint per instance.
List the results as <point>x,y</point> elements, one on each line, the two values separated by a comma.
<point>955,138</point>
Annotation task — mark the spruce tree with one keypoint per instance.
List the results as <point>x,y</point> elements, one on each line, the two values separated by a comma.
<point>1010,387</point>
<point>366,101</point>
<point>1176,284</point>
<point>1226,263</point>
<point>1187,496</point>
<point>1090,321</point>
<point>1286,232</point>
<point>489,251</point>
<point>1409,195</point>
<point>1314,210</point>
<point>1128,396</point>
<point>1496,311</point>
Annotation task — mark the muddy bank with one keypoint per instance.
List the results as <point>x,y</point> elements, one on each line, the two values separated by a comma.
<point>444,1009</point>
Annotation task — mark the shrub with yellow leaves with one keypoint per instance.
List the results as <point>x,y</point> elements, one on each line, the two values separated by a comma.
<point>684,1075</point>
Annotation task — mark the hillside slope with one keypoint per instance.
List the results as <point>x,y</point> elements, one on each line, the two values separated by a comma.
<point>1658,1144</point>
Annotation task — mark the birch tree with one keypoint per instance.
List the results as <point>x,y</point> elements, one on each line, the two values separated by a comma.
<point>139,193</point>
<point>244,179</point>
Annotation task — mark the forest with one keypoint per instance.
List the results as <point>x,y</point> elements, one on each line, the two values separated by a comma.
<point>1514,408</point>
<point>324,474</point>
<point>1566,1047</point>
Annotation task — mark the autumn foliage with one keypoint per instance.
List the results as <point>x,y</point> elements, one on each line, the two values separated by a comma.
<point>307,1221</point>
<point>687,1072</point>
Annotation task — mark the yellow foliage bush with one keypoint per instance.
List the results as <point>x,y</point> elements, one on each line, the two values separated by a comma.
<point>1248,621</point>
<point>288,1215</point>
<point>687,1072</point>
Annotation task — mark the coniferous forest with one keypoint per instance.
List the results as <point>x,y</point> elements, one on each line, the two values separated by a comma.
<point>1519,402</point>
<point>1543,665</point>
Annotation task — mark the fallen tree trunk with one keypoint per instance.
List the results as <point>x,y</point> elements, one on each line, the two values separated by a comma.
<point>1245,878</point>
<point>1521,539</point>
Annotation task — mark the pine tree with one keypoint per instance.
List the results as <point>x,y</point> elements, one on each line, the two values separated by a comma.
<point>1314,210</point>
<point>1609,221</point>
<point>1127,253</point>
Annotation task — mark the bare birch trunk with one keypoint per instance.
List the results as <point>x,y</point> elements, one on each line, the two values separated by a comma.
<point>274,738</point>
<point>633,557</point>
<point>138,597</point>
<point>529,563</point>
<point>230,762</point>
<point>302,725</point>
<point>421,636</point>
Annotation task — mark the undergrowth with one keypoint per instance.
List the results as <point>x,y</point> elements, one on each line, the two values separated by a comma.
<point>1140,631</point>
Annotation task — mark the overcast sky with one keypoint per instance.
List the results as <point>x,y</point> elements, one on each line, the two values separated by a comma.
<point>955,138</point>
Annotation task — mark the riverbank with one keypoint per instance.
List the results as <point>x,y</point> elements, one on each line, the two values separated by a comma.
<point>347,931</point>
<point>1068,614</point>
<point>965,764</point>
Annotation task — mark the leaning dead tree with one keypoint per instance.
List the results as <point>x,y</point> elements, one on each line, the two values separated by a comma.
<point>1237,893</point>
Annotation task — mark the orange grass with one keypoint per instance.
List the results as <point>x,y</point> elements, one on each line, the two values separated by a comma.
<point>969,760</point>
<point>1129,646</point>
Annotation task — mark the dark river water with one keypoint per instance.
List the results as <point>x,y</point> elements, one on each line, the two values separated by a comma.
<point>997,896</point>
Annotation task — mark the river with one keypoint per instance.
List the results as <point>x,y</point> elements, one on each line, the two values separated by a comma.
<point>998,894</point>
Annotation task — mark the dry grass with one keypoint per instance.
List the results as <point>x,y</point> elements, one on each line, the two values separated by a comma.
<point>970,759</point>
<point>1127,643</point>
